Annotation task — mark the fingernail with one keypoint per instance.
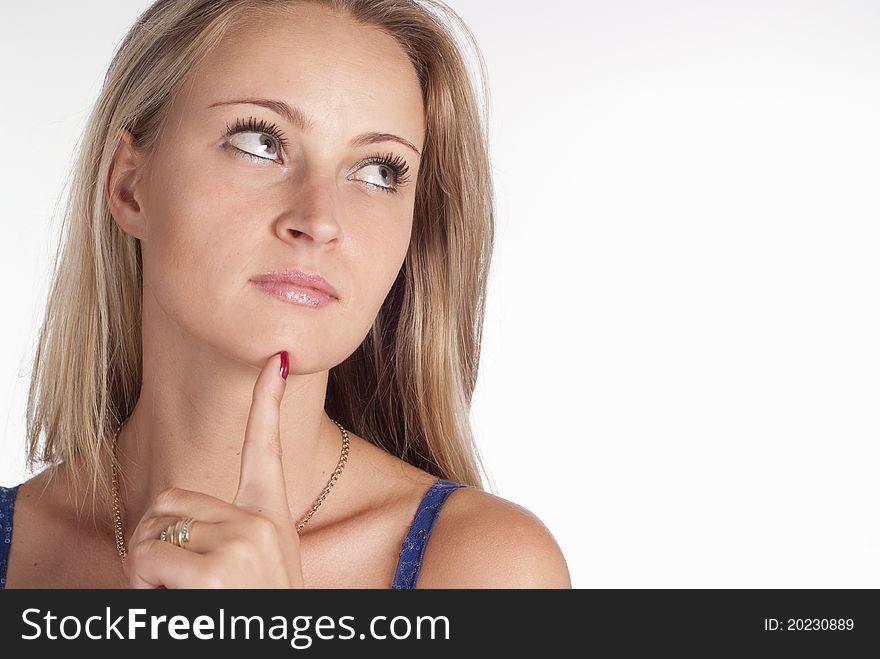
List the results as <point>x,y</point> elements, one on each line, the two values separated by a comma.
<point>285,365</point>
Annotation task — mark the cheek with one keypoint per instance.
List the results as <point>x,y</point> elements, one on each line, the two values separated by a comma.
<point>190,241</point>
<point>385,244</point>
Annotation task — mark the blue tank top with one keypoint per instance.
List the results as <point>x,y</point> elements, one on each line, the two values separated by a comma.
<point>413,549</point>
<point>411,552</point>
<point>7,503</point>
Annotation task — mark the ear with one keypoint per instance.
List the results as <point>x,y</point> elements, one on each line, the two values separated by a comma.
<point>121,188</point>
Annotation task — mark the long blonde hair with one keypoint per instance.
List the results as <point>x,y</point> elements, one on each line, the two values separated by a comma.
<point>408,387</point>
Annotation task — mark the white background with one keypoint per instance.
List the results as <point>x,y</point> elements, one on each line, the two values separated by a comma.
<point>680,369</point>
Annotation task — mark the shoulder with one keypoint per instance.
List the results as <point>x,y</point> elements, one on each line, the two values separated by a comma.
<point>61,537</point>
<point>481,540</point>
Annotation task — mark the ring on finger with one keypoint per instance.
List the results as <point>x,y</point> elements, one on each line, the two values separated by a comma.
<point>178,533</point>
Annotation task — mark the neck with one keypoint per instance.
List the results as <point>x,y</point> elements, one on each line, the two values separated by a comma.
<point>188,426</point>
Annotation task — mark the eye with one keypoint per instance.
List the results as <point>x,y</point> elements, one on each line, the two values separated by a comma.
<point>381,175</point>
<point>388,173</point>
<point>256,144</point>
<point>257,140</point>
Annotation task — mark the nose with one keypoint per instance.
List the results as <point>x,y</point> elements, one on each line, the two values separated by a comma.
<point>313,215</point>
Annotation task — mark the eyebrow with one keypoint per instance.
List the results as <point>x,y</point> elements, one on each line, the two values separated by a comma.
<point>298,118</point>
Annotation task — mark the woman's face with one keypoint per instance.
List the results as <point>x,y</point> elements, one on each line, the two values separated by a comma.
<point>218,209</point>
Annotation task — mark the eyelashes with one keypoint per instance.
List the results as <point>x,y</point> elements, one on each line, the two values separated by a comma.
<point>395,164</point>
<point>261,126</point>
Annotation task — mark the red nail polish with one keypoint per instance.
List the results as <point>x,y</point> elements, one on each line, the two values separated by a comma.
<point>285,365</point>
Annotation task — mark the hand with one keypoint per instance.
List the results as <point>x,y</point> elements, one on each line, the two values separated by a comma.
<point>249,543</point>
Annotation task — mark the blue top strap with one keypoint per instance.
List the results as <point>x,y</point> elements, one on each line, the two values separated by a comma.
<point>7,504</point>
<point>413,549</point>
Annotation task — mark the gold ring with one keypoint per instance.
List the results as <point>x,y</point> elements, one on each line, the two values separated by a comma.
<point>178,533</point>
<point>176,536</point>
<point>184,531</point>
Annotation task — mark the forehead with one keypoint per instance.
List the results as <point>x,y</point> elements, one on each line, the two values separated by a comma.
<point>342,74</point>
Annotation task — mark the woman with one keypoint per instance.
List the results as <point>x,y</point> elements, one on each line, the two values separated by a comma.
<point>262,339</point>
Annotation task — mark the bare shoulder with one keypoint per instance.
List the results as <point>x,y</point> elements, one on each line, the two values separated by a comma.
<point>481,540</point>
<point>53,545</point>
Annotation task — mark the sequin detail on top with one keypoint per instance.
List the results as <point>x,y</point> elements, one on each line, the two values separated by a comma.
<point>413,548</point>
<point>7,505</point>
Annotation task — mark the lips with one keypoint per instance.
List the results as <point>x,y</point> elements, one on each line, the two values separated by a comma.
<point>297,279</point>
<point>297,287</point>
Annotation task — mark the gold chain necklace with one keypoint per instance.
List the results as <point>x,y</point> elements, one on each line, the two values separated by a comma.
<point>117,514</point>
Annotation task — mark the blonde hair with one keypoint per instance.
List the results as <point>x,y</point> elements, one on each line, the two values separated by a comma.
<point>408,387</point>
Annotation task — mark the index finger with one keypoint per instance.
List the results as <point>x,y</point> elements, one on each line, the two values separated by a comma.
<point>261,483</point>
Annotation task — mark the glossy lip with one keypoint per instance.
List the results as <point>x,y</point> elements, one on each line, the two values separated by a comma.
<point>297,287</point>
<point>298,278</point>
